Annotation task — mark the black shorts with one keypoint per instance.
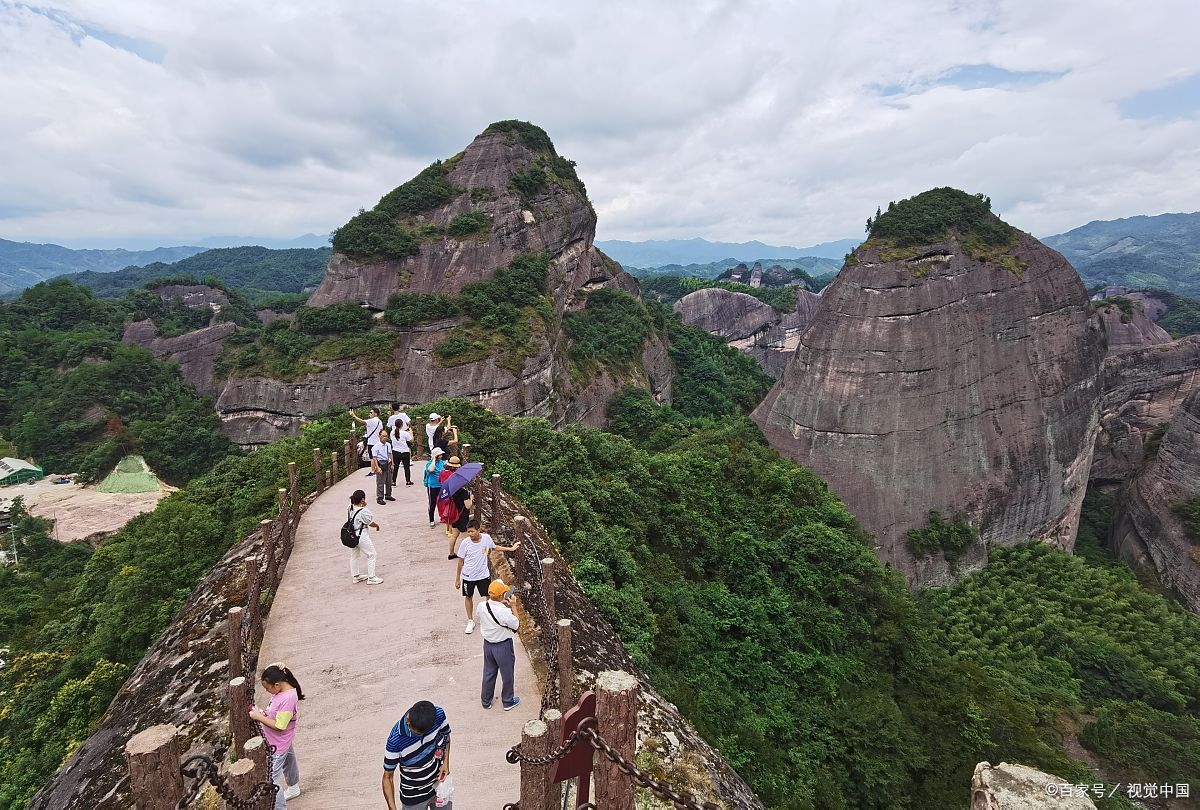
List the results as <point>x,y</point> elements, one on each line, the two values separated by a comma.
<point>464,519</point>
<point>480,585</point>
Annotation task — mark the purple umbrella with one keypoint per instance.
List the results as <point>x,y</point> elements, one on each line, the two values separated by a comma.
<point>459,479</point>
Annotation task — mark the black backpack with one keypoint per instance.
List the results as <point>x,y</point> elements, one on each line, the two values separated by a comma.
<point>349,530</point>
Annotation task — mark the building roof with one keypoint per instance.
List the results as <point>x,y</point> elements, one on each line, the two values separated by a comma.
<point>8,466</point>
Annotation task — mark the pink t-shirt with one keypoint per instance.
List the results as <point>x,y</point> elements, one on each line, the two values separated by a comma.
<point>285,701</point>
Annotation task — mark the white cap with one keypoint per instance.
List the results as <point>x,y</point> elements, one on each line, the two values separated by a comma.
<point>435,415</point>
<point>437,451</point>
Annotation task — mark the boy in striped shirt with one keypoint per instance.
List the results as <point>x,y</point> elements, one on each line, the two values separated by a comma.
<point>419,746</point>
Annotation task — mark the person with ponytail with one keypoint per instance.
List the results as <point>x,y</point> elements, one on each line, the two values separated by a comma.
<point>278,723</point>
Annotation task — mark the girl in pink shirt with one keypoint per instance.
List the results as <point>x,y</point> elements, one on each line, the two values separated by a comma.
<point>278,722</point>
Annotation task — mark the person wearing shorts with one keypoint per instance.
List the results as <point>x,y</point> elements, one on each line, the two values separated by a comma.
<point>474,574</point>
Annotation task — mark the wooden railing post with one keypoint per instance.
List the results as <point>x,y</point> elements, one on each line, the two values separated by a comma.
<point>347,455</point>
<point>333,467</point>
<point>465,452</point>
<point>616,722</point>
<point>239,719</point>
<point>256,750</point>
<point>519,537</point>
<point>267,528</point>
<point>327,480</point>
<point>241,777</point>
<point>554,725</point>
<point>152,757</point>
<point>234,632</point>
<point>566,666</point>
<point>535,779</point>
<point>494,524</point>
<point>419,439</point>
<point>549,583</point>
<point>253,602</point>
<point>318,472</point>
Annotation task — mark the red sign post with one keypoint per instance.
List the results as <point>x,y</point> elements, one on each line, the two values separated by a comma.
<point>577,763</point>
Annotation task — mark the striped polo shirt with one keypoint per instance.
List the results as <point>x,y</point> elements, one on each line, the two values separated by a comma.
<point>414,755</point>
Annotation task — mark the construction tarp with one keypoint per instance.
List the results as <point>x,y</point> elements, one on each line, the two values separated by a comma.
<point>131,475</point>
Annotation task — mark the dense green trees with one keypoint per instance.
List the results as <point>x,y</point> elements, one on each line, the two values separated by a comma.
<point>931,215</point>
<point>384,232</point>
<point>668,289</point>
<point>611,328</point>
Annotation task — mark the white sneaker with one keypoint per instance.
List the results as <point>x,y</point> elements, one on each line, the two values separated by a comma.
<point>292,792</point>
<point>359,577</point>
<point>374,580</point>
<point>470,626</point>
<point>432,524</point>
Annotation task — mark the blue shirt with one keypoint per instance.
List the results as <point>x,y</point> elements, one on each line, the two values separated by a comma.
<point>415,757</point>
<point>432,473</point>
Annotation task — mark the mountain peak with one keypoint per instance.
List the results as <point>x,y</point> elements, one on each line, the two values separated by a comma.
<point>932,215</point>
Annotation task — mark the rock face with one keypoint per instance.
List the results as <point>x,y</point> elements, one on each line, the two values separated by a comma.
<point>1019,787</point>
<point>940,381</point>
<point>749,325</point>
<point>557,221</point>
<point>194,352</point>
<point>1147,533</point>
<point>1142,389</point>
<point>193,295</point>
<point>1129,330</point>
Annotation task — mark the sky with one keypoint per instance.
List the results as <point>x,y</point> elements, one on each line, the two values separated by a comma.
<point>136,124</point>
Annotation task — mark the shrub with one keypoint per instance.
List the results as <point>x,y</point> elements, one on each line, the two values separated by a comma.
<point>529,183</point>
<point>409,309</point>
<point>472,223</point>
<point>428,190</point>
<point>332,320</point>
<point>375,234</point>
<point>610,329</point>
<point>532,136</point>
<point>949,537</point>
<point>459,349</point>
<point>931,215</point>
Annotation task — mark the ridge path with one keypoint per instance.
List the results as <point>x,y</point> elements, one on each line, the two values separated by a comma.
<point>365,653</point>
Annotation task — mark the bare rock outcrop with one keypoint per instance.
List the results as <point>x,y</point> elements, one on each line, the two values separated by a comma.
<point>1143,389</point>
<point>555,219</point>
<point>929,379</point>
<point>193,295</point>
<point>1019,787</point>
<point>193,352</point>
<point>1148,533</point>
<point>748,324</point>
<point>1128,326</point>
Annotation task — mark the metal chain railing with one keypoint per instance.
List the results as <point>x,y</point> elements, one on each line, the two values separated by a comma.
<point>681,799</point>
<point>201,770</point>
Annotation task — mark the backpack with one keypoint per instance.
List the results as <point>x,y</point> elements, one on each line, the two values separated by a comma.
<point>349,530</point>
<point>448,510</point>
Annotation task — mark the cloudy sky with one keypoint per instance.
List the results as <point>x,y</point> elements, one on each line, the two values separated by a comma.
<point>140,123</point>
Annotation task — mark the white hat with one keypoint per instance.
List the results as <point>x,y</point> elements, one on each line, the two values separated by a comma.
<point>437,451</point>
<point>434,415</point>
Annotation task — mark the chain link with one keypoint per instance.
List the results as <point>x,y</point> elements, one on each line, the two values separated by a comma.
<point>202,770</point>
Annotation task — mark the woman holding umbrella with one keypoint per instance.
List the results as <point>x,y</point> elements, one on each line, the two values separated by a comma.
<point>455,497</point>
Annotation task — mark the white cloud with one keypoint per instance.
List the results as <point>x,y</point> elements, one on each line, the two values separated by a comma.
<point>779,121</point>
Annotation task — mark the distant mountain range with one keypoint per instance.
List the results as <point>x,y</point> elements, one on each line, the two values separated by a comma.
<point>815,266</point>
<point>23,264</point>
<point>1139,252</point>
<point>661,252</point>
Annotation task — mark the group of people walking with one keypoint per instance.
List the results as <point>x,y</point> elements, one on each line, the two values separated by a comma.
<point>417,753</point>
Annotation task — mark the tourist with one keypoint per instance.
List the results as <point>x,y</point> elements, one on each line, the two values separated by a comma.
<point>381,459</point>
<point>431,431</point>
<point>400,429</point>
<point>433,486</point>
<point>371,428</point>
<point>278,722</point>
<point>361,518</point>
<point>498,625</point>
<point>419,747</point>
<point>450,438</point>
<point>474,574</point>
<point>457,510</point>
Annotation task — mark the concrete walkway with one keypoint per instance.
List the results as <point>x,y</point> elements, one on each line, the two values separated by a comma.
<point>365,653</point>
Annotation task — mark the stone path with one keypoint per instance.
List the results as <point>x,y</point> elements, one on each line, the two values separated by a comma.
<point>365,653</point>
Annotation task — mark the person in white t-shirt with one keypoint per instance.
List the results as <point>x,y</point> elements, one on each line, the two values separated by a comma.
<point>400,429</point>
<point>474,573</point>
<point>498,625</point>
<point>363,521</point>
<point>371,428</point>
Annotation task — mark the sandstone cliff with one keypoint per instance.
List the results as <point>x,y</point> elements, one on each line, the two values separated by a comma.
<point>524,199</point>
<point>1148,533</point>
<point>194,352</point>
<point>958,374</point>
<point>1019,787</point>
<point>749,325</point>
<point>1128,326</point>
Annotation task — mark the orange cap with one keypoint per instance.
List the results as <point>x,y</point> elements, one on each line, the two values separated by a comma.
<point>497,589</point>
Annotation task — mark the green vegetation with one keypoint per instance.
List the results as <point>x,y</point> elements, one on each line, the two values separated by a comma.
<point>77,620</point>
<point>932,215</point>
<point>78,400</point>
<point>470,223</point>
<point>529,183</point>
<point>712,379</point>
<point>1154,441</point>
<point>1120,302</point>
<point>1189,513</point>
<point>333,320</point>
<point>532,136</point>
<point>1142,253</point>
<point>410,309</point>
<point>251,270</point>
<point>950,537</point>
<point>1182,316</point>
<point>669,289</point>
<point>387,231</point>
<point>610,329</point>
<point>171,317</point>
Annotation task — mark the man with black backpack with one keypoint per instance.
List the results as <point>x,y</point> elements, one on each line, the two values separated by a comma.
<point>356,536</point>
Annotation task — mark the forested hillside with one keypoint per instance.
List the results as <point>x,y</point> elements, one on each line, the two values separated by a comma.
<point>23,264</point>
<point>1157,251</point>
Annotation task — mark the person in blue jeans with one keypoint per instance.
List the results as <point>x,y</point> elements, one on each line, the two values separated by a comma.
<point>498,625</point>
<point>433,469</point>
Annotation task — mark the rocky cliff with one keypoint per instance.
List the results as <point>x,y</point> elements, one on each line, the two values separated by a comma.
<point>509,194</point>
<point>952,365</point>
<point>1148,532</point>
<point>1128,326</point>
<point>1019,787</point>
<point>194,352</point>
<point>748,324</point>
